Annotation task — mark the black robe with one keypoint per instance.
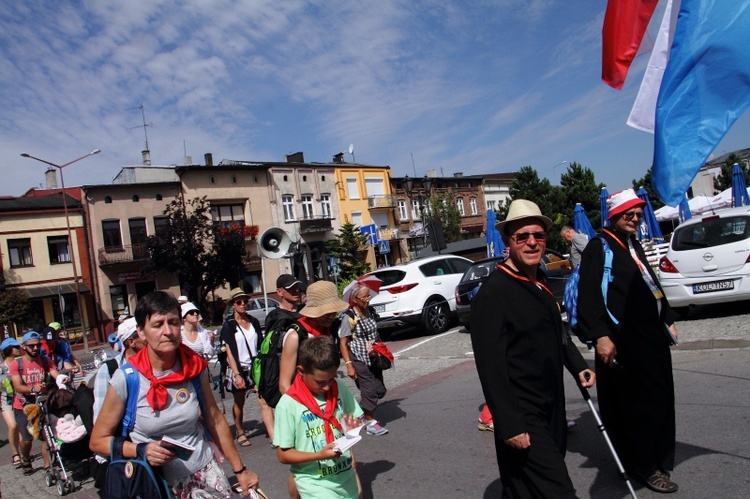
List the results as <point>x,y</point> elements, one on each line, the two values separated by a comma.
<point>520,348</point>
<point>636,397</point>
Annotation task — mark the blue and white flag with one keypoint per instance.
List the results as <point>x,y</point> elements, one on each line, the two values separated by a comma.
<point>705,88</point>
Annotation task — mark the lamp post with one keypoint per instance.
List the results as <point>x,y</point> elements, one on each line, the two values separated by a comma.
<point>420,192</point>
<point>558,164</point>
<point>70,238</point>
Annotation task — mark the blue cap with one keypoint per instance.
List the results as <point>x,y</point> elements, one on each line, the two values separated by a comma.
<point>9,342</point>
<point>31,335</point>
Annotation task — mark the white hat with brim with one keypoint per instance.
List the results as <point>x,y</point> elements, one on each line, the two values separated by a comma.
<point>521,209</point>
<point>126,330</point>
<point>322,299</point>
<point>187,307</point>
<point>622,201</point>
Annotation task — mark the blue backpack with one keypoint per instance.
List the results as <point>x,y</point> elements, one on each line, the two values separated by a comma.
<point>135,478</point>
<point>570,298</point>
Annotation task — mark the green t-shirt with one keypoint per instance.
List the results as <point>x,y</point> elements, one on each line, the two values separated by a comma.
<point>296,427</point>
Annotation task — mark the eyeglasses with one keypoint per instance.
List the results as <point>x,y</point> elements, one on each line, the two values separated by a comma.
<point>364,298</point>
<point>240,302</point>
<point>35,345</point>
<point>522,237</point>
<point>632,214</point>
<point>192,312</point>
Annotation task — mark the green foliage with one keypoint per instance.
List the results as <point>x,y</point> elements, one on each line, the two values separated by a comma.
<point>646,183</point>
<point>443,207</point>
<point>14,307</point>
<point>723,181</point>
<point>579,186</point>
<point>349,249</point>
<point>204,258</point>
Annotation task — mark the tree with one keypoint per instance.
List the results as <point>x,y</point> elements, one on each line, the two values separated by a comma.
<point>646,183</point>
<point>187,246</point>
<point>443,207</point>
<point>14,307</point>
<point>579,186</point>
<point>723,181</point>
<point>349,249</point>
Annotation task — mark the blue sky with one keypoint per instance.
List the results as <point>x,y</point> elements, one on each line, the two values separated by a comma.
<point>477,87</point>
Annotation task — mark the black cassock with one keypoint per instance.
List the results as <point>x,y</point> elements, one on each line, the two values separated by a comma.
<point>520,348</point>
<point>636,397</point>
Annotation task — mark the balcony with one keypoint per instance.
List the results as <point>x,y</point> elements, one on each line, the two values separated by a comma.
<point>314,224</point>
<point>112,255</point>
<point>381,202</point>
<point>384,234</point>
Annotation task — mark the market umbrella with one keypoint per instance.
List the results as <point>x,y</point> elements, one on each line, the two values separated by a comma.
<point>495,245</point>
<point>685,213</point>
<point>739,189</point>
<point>581,222</point>
<point>649,228</point>
<point>371,282</point>
<point>605,210</point>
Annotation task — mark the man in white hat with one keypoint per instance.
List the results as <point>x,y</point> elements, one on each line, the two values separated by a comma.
<point>520,349</point>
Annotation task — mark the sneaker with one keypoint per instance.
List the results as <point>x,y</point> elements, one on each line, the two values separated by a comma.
<point>486,426</point>
<point>376,429</point>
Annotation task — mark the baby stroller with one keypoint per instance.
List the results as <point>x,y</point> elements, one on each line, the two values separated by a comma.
<point>63,422</point>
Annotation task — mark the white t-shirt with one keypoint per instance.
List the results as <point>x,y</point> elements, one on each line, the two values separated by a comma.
<point>246,338</point>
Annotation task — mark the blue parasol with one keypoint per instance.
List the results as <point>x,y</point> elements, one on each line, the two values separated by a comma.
<point>605,210</point>
<point>581,222</point>
<point>685,213</point>
<point>649,228</point>
<point>495,244</point>
<point>739,189</point>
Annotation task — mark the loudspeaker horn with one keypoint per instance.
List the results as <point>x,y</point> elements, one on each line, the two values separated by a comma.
<point>274,243</point>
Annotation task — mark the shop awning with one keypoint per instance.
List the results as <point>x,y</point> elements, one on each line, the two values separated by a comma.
<point>47,291</point>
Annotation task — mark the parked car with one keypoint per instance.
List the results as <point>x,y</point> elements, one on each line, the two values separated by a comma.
<point>255,307</point>
<point>419,292</point>
<point>555,266</point>
<point>708,260</point>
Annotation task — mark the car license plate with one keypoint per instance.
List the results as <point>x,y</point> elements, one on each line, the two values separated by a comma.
<point>708,287</point>
<point>380,308</point>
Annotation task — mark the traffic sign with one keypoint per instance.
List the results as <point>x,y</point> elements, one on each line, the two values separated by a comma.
<point>371,234</point>
<point>384,247</point>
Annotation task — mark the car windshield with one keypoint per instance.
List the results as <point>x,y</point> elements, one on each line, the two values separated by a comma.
<point>480,271</point>
<point>710,232</point>
<point>390,276</point>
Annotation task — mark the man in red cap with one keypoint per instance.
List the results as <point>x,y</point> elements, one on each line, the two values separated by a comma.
<point>633,363</point>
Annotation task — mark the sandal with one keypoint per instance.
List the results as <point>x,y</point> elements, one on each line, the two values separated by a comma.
<point>16,461</point>
<point>26,467</point>
<point>660,482</point>
<point>243,441</point>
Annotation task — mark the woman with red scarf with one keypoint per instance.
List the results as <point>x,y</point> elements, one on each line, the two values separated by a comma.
<point>168,406</point>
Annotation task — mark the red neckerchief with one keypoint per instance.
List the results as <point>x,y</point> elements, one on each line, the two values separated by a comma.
<point>302,394</point>
<point>511,273</point>
<point>192,365</point>
<point>310,327</point>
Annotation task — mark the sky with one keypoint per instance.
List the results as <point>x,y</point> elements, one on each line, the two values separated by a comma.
<point>487,86</point>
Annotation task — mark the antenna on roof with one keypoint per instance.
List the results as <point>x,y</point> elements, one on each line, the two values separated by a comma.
<point>144,125</point>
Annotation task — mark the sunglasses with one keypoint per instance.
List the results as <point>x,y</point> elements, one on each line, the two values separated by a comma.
<point>522,237</point>
<point>240,302</point>
<point>632,214</point>
<point>192,312</point>
<point>34,345</point>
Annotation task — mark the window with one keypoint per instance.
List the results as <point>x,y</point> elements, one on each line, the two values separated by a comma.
<point>119,299</point>
<point>325,205</point>
<point>20,252</point>
<point>307,206</point>
<point>416,209</point>
<point>111,235</point>
<point>160,223</point>
<point>351,188</point>
<point>460,206</point>
<point>491,205</point>
<point>228,215</point>
<point>137,228</point>
<point>402,213</point>
<point>287,202</point>
<point>357,218</point>
<point>473,206</point>
<point>58,249</point>
<point>374,187</point>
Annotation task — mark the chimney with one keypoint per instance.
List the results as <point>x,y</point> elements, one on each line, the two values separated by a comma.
<point>458,174</point>
<point>146,155</point>
<point>50,177</point>
<point>209,159</point>
<point>297,157</point>
<point>188,160</point>
<point>338,158</point>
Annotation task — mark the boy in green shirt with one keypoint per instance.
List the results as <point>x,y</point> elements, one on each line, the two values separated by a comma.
<point>309,418</point>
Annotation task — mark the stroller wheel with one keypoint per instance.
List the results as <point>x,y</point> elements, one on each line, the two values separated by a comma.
<point>70,485</point>
<point>49,478</point>
<point>61,489</point>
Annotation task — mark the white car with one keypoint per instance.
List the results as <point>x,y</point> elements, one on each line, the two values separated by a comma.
<point>708,260</point>
<point>419,292</point>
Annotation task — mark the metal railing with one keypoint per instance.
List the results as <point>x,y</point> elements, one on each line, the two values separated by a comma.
<point>123,254</point>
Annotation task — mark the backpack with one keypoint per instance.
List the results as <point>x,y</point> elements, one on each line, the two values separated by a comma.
<point>267,364</point>
<point>135,478</point>
<point>570,297</point>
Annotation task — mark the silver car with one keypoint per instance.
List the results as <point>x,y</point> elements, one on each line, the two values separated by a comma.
<point>257,308</point>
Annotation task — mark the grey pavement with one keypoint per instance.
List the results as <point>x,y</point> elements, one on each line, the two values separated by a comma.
<point>435,449</point>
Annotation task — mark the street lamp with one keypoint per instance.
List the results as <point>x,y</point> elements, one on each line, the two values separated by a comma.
<point>558,164</point>
<point>70,238</point>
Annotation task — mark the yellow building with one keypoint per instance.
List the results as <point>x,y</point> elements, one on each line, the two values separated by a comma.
<point>365,198</point>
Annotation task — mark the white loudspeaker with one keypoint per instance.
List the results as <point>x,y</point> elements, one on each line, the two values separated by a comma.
<point>274,243</point>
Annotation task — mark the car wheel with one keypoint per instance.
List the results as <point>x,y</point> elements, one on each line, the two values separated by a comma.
<point>435,317</point>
